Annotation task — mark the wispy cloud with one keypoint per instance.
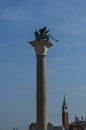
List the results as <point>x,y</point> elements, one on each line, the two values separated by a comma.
<point>70,68</point>
<point>75,26</point>
<point>75,89</point>
<point>14,14</point>
<point>73,45</point>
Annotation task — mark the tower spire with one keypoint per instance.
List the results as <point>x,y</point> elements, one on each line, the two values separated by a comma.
<point>64,106</point>
<point>64,113</point>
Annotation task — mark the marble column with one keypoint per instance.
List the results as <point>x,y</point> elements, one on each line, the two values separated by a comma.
<point>41,48</point>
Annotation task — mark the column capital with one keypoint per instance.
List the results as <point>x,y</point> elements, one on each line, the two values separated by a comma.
<point>41,47</point>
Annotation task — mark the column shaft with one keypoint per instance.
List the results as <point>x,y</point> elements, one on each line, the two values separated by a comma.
<point>41,92</point>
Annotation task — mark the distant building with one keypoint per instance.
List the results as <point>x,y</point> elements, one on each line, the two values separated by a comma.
<point>15,128</point>
<point>32,126</point>
<point>49,126</point>
<point>57,128</point>
<point>78,124</point>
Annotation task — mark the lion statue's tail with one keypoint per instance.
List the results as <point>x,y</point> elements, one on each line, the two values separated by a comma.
<point>53,38</point>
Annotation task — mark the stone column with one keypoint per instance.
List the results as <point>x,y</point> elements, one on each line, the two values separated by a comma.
<point>41,48</point>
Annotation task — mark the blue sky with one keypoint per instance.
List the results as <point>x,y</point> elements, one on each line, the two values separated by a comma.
<point>66,60</point>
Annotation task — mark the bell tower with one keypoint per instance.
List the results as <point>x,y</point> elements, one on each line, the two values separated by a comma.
<point>65,114</point>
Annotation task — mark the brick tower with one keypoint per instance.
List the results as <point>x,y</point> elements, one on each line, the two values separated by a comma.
<point>65,114</point>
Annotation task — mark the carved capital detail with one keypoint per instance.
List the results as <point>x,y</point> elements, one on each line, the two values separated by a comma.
<point>41,47</point>
<point>41,50</point>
